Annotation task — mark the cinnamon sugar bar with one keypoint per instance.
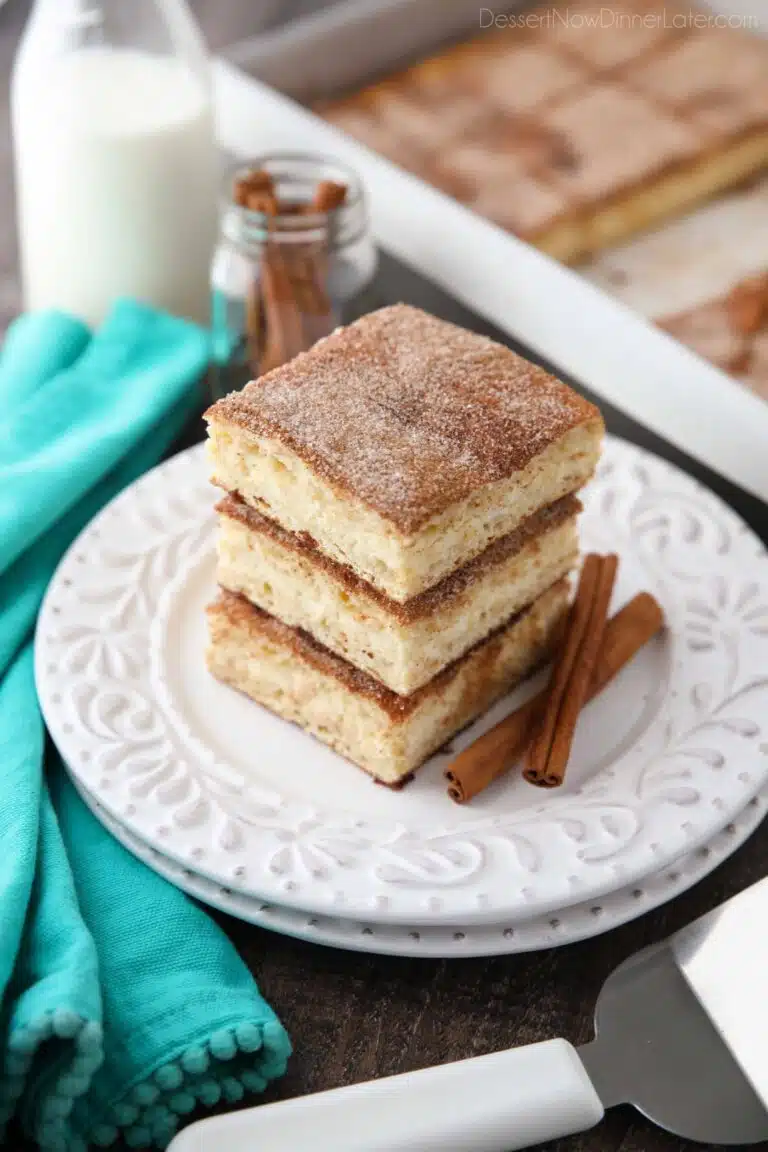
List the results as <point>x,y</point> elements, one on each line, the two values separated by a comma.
<point>401,645</point>
<point>403,446</point>
<point>731,331</point>
<point>386,734</point>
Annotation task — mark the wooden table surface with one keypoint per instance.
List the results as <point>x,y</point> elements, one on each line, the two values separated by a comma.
<point>352,1016</point>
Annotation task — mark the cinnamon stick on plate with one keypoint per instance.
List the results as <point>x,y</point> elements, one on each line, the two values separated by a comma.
<point>550,747</point>
<point>495,752</point>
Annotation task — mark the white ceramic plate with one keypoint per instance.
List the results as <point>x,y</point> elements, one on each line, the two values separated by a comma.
<point>578,922</point>
<point>663,759</point>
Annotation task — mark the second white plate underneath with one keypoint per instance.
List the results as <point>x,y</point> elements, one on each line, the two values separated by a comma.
<point>578,922</point>
<point>663,759</point>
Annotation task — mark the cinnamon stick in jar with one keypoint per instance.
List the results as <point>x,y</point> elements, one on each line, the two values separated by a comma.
<point>284,337</point>
<point>253,183</point>
<point>314,263</point>
<point>329,195</point>
<point>497,751</point>
<point>293,295</point>
<point>256,192</point>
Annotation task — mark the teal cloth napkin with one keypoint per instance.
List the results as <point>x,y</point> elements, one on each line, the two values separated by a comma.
<point>122,1005</point>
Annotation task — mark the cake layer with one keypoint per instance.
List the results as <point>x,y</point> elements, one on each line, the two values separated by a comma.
<point>402,645</point>
<point>404,446</point>
<point>386,734</point>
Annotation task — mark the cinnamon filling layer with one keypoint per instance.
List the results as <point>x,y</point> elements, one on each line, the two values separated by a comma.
<point>240,613</point>
<point>433,599</point>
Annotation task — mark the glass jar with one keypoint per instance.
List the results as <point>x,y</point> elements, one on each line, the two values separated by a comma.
<point>291,265</point>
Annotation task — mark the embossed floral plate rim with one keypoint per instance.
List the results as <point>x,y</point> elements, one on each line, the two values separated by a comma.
<point>695,761</point>
<point>552,930</point>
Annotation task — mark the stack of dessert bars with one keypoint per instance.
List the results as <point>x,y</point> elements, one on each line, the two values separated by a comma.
<point>399,523</point>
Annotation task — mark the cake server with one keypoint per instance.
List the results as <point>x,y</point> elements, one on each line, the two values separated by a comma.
<point>681,1033</point>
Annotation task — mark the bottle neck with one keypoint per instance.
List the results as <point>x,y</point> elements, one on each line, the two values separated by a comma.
<point>72,15</point>
<point>165,27</point>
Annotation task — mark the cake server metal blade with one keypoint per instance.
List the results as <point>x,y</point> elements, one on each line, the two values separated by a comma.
<point>682,1027</point>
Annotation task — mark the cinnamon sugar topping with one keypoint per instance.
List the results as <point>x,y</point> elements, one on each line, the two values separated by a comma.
<point>408,413</point>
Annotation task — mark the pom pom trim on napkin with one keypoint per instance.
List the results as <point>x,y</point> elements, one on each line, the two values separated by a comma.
<point>72,1076</point>
<point>222,1068</point>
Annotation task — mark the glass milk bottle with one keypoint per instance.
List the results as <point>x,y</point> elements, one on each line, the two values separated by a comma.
<point>116,162</point>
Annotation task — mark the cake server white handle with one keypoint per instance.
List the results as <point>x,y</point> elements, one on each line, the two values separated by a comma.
<point>495,1103</point>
